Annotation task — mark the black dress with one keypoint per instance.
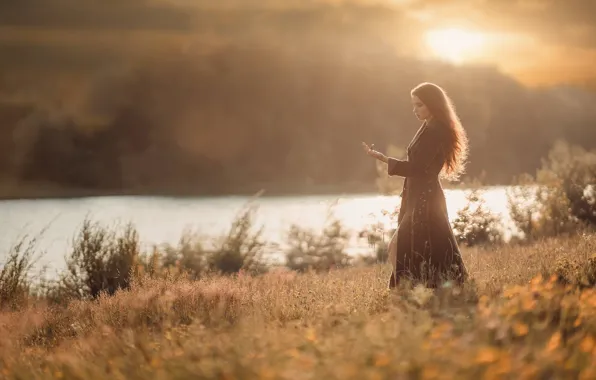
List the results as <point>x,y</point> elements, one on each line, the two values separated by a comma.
<point>424,247</point>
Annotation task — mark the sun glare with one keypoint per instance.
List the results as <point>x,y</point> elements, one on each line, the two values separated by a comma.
<point>455,45</point>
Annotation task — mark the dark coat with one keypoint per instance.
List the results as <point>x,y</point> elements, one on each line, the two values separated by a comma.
<point>424,247</point>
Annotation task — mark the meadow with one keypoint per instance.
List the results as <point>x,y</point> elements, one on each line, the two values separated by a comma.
<point>528,313</point>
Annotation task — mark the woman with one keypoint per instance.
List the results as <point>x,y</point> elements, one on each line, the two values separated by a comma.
<point>424,247</point>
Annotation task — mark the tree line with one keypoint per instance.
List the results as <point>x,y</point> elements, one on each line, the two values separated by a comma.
<point>284,114</point>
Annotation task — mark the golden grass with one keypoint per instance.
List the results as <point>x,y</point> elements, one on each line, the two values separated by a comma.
<point>517,321</point>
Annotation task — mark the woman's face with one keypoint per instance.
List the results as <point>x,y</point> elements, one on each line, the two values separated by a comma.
<point>420,110</point>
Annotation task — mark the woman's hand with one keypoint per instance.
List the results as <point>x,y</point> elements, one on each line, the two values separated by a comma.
<point>373,153</point>
<point>368,149</point>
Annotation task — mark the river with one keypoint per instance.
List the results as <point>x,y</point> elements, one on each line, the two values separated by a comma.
<point>163,219</point>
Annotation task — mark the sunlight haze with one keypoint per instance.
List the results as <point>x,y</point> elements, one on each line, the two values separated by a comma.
<point>455,45</point>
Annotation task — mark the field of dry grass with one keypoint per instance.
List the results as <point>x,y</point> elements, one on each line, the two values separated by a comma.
<point>530,313</point>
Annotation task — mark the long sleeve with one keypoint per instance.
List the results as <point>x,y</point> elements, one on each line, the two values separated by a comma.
<point>426,160</point>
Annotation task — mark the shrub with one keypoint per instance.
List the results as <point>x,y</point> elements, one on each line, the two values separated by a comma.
<point>475,224</point>
<point>320,252</point>
<point>561,198</point>
<point>101,261</point>
<point>242,248</point>
<point>576,272</point>
<point>378,238</point>
<point>573,170</point>
<point>189,256</point>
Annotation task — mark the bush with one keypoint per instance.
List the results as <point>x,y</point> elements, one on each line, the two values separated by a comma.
<point>320,252</point>
<point>189,256</point>
<point>561,198</point>
<point>523,205</point>
<point>573,169</point>
<point>241,249</point>
<point>576,272</point>
<point>378,238</point>
<point>101,261</point>
<point>475,224</point>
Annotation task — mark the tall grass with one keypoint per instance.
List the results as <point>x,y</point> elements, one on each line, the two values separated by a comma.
<point>16,271</point>
<point>518,319</point>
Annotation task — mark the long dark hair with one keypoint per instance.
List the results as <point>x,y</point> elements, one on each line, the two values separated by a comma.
<point>441,108</point>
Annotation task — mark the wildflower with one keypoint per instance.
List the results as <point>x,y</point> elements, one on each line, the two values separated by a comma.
<point>294,353</point>
<point>487,355</point>
<point>587,344</point>
<point>267,373</point>
<point>311,335</point>
<point>178,352</point>
<point>382,360</point>
<point>554,342</point>
<point>430,372</point>
<point>552,279</point>
<point>520,329</point>
<point>528,371</point>
<point>375,376</point>
<point>592,300</point>
<point>307,362</point>
<point>441,330</point>
<point>498,369</point>
<point>512,291</point>
<point>529,304</point>
<point>588,373</point>
<point>577,322</point>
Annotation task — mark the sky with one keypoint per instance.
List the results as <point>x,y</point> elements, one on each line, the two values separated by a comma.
<point>539,42</point>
